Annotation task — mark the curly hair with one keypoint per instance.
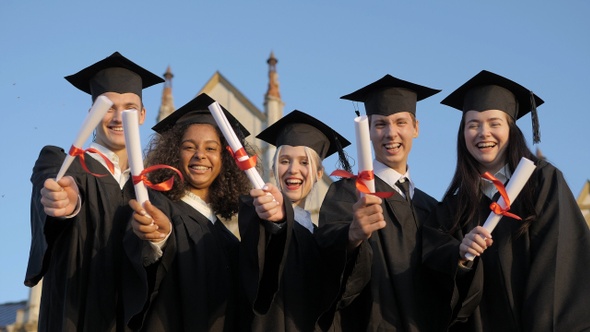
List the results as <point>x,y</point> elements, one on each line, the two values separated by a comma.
<point>225,190</point>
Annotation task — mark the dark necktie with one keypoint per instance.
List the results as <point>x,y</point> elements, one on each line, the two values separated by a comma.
<point>404,185</point>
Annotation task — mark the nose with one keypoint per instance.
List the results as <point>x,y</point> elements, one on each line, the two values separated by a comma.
<point>389,131</point>
<point>199,154</point>
<point>118,116</point>
<point>292,168</point>
<point>484,130</point>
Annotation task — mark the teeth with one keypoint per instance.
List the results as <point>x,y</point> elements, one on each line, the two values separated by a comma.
<point>200,168</point>
<point>293,182</point>
<point>117,128</point>
<point>486,145</point>
<point>393,146</point>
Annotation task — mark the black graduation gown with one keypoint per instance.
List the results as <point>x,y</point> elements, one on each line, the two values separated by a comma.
<point>79,258</point>
<point>382,283</point>
<point>529,282</point>
<point>288,279</point>
<point>194,285</point>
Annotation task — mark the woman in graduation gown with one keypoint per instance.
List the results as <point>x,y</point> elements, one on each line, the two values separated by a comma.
<point>526,273</point>
<point>193,285</point>
<point>287,280</point>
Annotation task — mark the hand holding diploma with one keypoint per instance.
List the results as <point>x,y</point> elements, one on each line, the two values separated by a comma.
<point>522,173</point>
<point>100,107</point>
<point>242,158</point>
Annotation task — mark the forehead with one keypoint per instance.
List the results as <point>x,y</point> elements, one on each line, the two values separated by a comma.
<point>201,131</point>
<point>391,117</point>
<point>123,98</point>
<point>485,115</point>
<point>293,151</point>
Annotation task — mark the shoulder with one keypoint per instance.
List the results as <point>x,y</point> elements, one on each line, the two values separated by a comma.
<point>424,197</point>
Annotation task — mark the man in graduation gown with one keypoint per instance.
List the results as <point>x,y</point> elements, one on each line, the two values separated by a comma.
<point>380,238</point>
<point>78,222</point>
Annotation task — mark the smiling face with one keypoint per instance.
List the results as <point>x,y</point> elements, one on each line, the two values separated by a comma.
<point>392,137</point>
<point>296,173</point>
<point>109,133</point>
<point>200,157</point>
<point>486,136</point>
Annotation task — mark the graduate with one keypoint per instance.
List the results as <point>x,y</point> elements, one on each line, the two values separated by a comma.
<point>378,238</point>
<point>77,223</point>
<point>193,283</point>
<point>294,287</point>
<point>526,275</point>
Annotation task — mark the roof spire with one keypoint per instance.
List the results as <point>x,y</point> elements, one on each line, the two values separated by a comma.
<point>167,105</point>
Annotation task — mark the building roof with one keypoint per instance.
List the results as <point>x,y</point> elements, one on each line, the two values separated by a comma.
<point>8,312</point>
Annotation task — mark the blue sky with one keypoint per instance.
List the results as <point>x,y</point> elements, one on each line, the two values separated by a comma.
<point>325,49</point>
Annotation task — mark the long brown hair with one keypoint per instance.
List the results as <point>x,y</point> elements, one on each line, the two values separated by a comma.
<point>467,178</point>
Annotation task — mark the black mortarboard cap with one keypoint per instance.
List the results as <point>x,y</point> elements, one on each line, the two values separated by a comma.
<point>487,91</point>
<point>115,73</point>
<point>197,111</point>
<point>390,95</point>
<point>300,129</point>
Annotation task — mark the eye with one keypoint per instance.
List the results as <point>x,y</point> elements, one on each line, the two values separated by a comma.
<point>304,162</point>
<point>284,161</point>
<point>187,147</point>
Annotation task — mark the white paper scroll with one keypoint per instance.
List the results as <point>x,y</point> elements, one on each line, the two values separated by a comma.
<point>134,154</point>
<point>95,115</point>
<point>521,175</point>
<point>363,149</point>
<point>234,142</point>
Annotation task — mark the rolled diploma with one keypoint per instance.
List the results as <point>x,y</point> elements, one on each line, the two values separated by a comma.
<point>97,112</point>
<point>234,142</point>
<point>521,175</point>
<point>133,144</point>
<point>363,149</point>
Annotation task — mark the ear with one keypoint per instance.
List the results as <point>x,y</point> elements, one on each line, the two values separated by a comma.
<point>141,115</point>
<point>320,175</point>
<point>417,131</point>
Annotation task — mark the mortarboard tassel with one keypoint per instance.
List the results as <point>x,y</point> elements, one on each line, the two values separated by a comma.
<point>535,120</point>
<point>342,156</point>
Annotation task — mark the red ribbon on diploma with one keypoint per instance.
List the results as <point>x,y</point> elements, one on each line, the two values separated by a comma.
<point>77,152</point>
<point>495,207</point>
<point>162,186</point>
<point>360,185</point>
<point>242,164</point>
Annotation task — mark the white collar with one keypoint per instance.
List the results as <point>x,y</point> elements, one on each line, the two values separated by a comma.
<point>391,176</point>
<point>488,187</point>
<point>200,205</point>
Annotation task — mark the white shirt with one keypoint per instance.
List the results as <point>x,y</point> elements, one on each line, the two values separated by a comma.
<point>200,205</point>
<point>120,176</point>
<point>303,217</point>
<point>488,188</point>
<point>391,176</point>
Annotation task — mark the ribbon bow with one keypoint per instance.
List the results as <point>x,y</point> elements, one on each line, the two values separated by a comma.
<point>360,184</point>
<point>495,207</point>
<point>77,152</point>
<point>242,164</point>
<point>162,186</point>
